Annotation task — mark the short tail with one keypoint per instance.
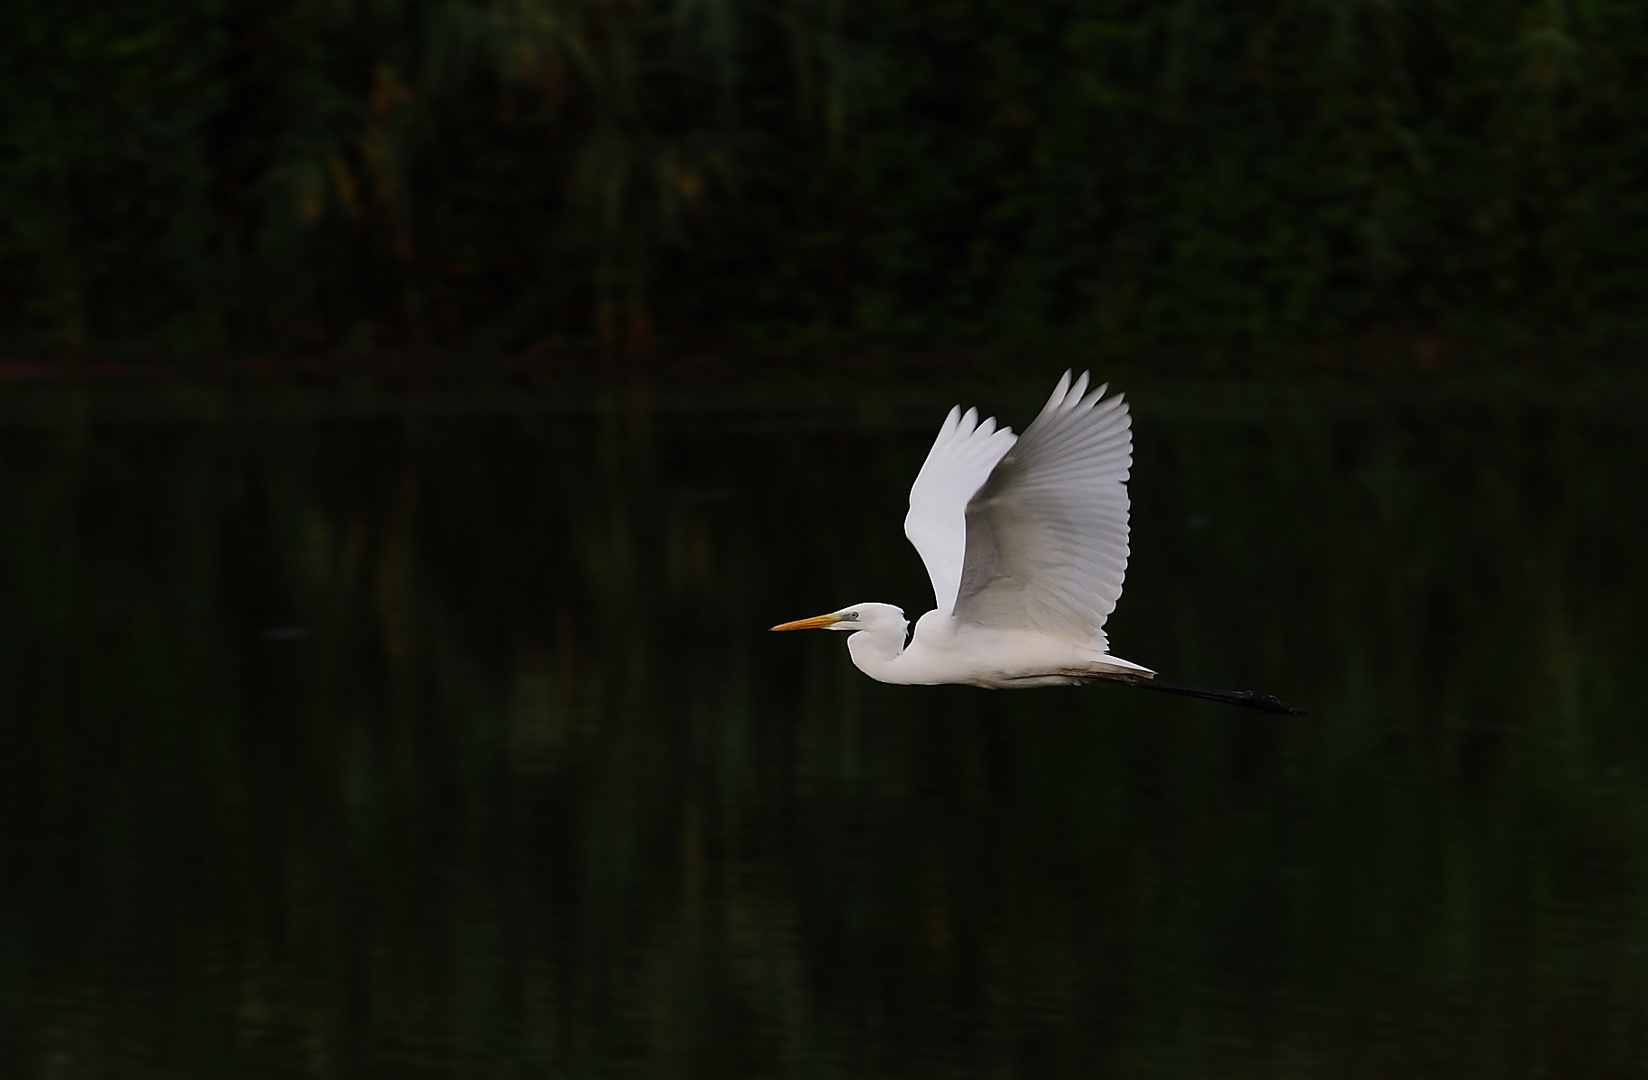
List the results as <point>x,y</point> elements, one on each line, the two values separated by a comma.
<point>1246,699</point>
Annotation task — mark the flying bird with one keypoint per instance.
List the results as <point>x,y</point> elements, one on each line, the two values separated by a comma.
<point>1025,540</point>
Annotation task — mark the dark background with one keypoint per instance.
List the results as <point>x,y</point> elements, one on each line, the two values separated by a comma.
<point>571,177</point>
<point>441,742</point>
<point>425,728</point>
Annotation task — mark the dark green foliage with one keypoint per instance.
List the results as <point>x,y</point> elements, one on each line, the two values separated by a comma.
<point>207,174</point>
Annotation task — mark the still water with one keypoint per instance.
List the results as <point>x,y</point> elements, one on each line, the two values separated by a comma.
<point>444,738</point>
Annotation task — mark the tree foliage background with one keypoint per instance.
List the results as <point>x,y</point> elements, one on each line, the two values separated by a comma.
<point>204,175</point>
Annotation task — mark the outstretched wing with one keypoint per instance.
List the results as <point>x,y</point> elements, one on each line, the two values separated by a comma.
<point>960,460</point>
<point>1047,532</point>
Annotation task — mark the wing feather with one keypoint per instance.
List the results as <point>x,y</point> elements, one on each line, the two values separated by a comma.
<point>1046,542</point>
<point>959,462</point>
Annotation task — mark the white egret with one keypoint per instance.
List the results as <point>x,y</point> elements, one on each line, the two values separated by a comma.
<point>1025,539</point>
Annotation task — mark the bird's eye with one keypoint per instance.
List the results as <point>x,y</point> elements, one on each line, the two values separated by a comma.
<point>852,614</point>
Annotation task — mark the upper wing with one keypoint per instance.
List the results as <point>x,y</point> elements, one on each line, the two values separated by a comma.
<point>1047,532</point>
<point>960,460</point>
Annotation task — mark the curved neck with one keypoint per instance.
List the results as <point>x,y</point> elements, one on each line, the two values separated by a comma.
<point>875,647</point>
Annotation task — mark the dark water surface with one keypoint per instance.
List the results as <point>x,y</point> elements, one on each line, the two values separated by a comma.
<point>412,740</point>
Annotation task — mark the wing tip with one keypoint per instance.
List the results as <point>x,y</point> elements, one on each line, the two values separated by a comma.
<point>1060,392</point>
<point>1072,394</point>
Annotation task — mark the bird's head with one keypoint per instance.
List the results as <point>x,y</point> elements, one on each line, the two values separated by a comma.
<point>854,617</point>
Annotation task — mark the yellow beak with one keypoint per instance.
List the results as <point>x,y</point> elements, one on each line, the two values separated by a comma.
<point>817,622</point>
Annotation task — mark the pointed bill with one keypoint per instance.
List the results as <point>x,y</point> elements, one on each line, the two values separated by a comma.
<point>817,622</point>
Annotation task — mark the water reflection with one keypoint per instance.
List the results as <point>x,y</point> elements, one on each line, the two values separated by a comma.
<point>400,741</point>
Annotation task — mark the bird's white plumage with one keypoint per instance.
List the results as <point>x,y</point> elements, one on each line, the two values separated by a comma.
<point>1025,539</point>
<point>956,467</point>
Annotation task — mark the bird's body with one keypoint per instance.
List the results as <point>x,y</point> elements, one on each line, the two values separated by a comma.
<point>1025,539</point>
<point>947,650</point>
